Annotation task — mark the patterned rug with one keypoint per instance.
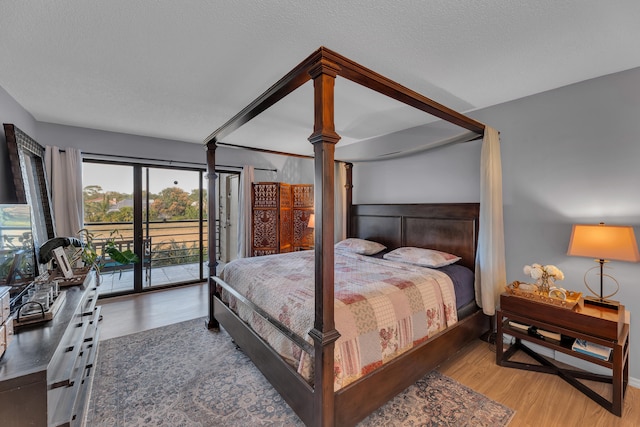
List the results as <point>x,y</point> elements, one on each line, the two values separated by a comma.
<point>186,375</point>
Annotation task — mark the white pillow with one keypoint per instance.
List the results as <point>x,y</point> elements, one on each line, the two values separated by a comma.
<point>360,246</point>
<point>423,257</point>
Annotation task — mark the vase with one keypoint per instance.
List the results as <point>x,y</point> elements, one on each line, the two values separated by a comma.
<point>544,284</point>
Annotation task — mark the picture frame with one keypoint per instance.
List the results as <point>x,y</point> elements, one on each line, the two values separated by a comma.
<point>63,262</point>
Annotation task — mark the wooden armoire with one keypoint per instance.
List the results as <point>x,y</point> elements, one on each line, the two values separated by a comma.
<point>280,217</point>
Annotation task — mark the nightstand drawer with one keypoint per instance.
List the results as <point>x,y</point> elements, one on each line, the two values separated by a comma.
<point>603,323</point>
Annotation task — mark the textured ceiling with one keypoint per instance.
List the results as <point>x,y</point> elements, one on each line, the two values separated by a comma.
<point>180,69</point>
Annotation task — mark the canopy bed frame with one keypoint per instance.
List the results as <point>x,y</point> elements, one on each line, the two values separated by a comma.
<point>448,227</point>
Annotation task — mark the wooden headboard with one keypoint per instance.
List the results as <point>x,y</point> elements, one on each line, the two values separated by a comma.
<point>448,227</point>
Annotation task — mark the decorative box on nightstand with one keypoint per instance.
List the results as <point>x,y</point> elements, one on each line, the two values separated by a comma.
<point>601,326</point>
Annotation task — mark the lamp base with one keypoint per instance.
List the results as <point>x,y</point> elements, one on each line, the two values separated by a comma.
<point>601,302</point>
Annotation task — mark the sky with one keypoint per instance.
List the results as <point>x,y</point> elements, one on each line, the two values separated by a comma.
<point>120,178</point>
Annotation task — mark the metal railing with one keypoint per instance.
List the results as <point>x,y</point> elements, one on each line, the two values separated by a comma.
<point>167,242</point>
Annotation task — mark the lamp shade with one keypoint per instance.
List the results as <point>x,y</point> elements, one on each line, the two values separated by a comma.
<point>312,221</point>
<point>600,241</point>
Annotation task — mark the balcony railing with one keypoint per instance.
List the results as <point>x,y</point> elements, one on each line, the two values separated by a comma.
<point>166,243</point>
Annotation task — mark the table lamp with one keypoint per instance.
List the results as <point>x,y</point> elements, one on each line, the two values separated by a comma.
<point>604,243</point>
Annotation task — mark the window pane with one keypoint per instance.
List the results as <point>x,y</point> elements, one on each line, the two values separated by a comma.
<point>108,209</point>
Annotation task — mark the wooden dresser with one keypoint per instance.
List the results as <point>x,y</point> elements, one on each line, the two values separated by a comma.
<point>47,371</point>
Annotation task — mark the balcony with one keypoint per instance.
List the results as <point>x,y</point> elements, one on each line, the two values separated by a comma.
<point>173,251</point>
<point>115,281</point>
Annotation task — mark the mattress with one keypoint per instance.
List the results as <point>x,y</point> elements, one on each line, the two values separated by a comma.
<point>382,308</point>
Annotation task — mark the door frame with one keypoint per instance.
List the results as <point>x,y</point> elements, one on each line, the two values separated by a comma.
<point>138,223</point>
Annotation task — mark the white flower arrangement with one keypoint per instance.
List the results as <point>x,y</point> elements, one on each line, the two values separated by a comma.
<point>543,272</point>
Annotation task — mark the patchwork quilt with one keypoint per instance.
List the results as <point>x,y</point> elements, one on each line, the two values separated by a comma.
<point>382,308</point>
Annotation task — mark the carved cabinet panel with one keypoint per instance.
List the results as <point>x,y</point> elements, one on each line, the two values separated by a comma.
<point>280,216</point>
<point>302,211</point>
<point>271,218</point>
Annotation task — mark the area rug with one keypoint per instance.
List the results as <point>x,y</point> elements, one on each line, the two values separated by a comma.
<point>184,375</point>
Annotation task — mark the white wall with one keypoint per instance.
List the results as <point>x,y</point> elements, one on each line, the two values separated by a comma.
<point>292,170</point>
<point>570,155</point>
<point>428,176</point>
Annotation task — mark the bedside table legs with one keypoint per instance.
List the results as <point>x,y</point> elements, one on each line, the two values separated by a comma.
<point>499,338</point>
<point>620,377</point>
<point>618,380</point>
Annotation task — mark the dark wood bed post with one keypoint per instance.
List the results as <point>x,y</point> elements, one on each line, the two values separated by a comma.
<point>212,323</point>
<point>324,334</point>
<point>348,188</point>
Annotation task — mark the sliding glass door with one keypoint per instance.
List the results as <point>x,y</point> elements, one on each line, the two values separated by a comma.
<point>109,212</point>
<point>174,226</point>
<point>160,213</point>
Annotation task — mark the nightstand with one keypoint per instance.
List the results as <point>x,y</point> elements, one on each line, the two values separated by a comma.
<point>594,324</point>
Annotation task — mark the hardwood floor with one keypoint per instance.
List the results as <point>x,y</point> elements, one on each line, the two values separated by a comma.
<point>130,314</point>
<point>538,399</point>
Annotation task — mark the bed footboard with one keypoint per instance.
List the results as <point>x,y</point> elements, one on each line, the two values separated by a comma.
<point>356,401</point>
<point>292,387</point>
<point>359,399</point>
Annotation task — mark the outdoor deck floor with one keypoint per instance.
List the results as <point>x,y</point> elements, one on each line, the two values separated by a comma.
<point>116,281</point>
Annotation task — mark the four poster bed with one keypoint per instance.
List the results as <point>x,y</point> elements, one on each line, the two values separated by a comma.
<point>315,345</point>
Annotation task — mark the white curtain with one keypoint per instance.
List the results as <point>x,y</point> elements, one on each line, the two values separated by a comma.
<point>340,202</point>
<point>64,172</point>
<point>491,276</point>
<point>244,214</point>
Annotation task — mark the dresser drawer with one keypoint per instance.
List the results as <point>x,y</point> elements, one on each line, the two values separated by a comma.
<point>6,335</point>
<point>5,304</point>
<point>68,388</point>
<point>6,322</point>
<point>3,340</point>
<point>46,373</point>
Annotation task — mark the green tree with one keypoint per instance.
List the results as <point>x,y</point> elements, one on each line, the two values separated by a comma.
<point>171,203</point>
<point>194,196</point>
<point>123,214</point>
<point>91,191</point>
<point>96,203</point>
